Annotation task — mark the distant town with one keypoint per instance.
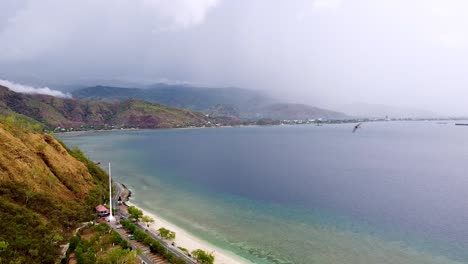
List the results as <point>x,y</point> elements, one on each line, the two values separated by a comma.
<point>260,122</point>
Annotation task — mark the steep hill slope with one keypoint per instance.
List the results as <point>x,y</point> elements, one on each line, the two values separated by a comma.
<point>45,191</point>
<point>54,111</point>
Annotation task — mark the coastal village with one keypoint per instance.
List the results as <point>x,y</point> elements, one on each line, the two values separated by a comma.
<point>151,245</point>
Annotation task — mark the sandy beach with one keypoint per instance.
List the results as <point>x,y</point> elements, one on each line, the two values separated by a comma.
<point>190,242</point>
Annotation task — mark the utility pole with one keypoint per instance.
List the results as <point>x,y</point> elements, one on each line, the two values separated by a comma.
<point>111,217</point>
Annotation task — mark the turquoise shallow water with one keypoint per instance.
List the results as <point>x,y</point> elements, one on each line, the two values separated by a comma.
<point>392,193</point>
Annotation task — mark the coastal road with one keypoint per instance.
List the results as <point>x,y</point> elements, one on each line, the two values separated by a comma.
<point>142,256</point>
<point>174,250</point>
<point>117,192</point>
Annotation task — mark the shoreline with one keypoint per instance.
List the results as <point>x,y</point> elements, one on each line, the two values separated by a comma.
<point>185,239</point>
<point>332,122</point>
<point>78,132</point>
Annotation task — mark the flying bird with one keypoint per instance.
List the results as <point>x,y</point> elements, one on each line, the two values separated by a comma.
<point>356,127</point>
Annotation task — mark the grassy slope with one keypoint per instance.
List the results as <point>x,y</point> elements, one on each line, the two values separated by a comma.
<point>53,112</point>
<point>144,114</point>
<point>44,193</point>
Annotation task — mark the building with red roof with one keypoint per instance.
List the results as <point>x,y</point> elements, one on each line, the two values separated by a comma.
<point>102,210</point>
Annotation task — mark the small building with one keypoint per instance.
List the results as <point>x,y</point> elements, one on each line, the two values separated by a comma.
<point>102,210</point>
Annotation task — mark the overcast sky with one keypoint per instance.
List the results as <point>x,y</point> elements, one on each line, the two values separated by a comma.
<point>325,52</point>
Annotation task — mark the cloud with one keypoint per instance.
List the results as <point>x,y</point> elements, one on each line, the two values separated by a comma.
<point>322,52</point>
<point>180,13</point>
<point>327,4</point>
<point>20,88</point>
<point>453,39</point>
<point>37,28</point>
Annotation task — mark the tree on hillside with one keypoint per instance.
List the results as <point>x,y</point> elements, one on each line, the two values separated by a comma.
<point>135,213</point>
<point>119,256</point>
<point>203,257</point>
<point>146,219</point>
<point>3,245</point>
<point>166,234</point>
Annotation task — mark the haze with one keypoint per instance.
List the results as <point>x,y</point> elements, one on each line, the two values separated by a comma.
<point>328,53</point>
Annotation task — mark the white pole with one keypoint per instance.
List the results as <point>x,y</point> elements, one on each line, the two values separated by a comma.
<point>111,217</point>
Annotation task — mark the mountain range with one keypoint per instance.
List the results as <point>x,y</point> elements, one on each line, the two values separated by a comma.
<point>231,102</point>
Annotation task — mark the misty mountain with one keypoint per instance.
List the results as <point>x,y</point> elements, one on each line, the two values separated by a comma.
<point>221,110</point>
<point>297,111</point>
<point>183,96</point>
<point>232,102</point>
<point>364,110</point>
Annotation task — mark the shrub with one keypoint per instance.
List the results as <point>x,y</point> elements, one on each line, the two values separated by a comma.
<point>166,234</point>
<point>135,213</point>
<point>157,247</point>
<point>203,257</point>
<point>73,242</point>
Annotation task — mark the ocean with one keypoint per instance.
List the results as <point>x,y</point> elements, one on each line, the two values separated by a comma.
<point>393,192</point>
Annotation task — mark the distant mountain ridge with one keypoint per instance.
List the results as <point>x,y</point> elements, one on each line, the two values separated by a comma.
<point>298,111</point>
<point>183,96</point>
<point>233,102</point>
<point>366,110</point>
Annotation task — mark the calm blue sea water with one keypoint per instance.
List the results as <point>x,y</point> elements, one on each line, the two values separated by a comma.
<point>394,192</point>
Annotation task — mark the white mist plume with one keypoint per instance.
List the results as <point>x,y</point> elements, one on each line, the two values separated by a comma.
<point>20,88</point>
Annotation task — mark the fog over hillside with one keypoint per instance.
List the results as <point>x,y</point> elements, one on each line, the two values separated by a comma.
<point>21,88</point>
<point>384,111</point>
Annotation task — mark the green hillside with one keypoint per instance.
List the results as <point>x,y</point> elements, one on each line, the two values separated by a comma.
<point>54,112</point>
<point>46,190</point>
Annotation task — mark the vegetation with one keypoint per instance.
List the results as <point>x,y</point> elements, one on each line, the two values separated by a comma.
<point>167,234</point>
<point>146,219</point>
<point>99,174</point>
<point>65,114</point>
<point>3,245</point>
<point>119,256</point>
<point>44,193</point>
<point>135,213</point>
<point>99,244</point>
<point>184,250</point>
<point>203,257</point>
<point>20,124</point>
<point>154,245</point>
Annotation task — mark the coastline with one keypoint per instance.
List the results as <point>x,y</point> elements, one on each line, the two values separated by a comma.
<point>78,132</point>
<point>185,239</point>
